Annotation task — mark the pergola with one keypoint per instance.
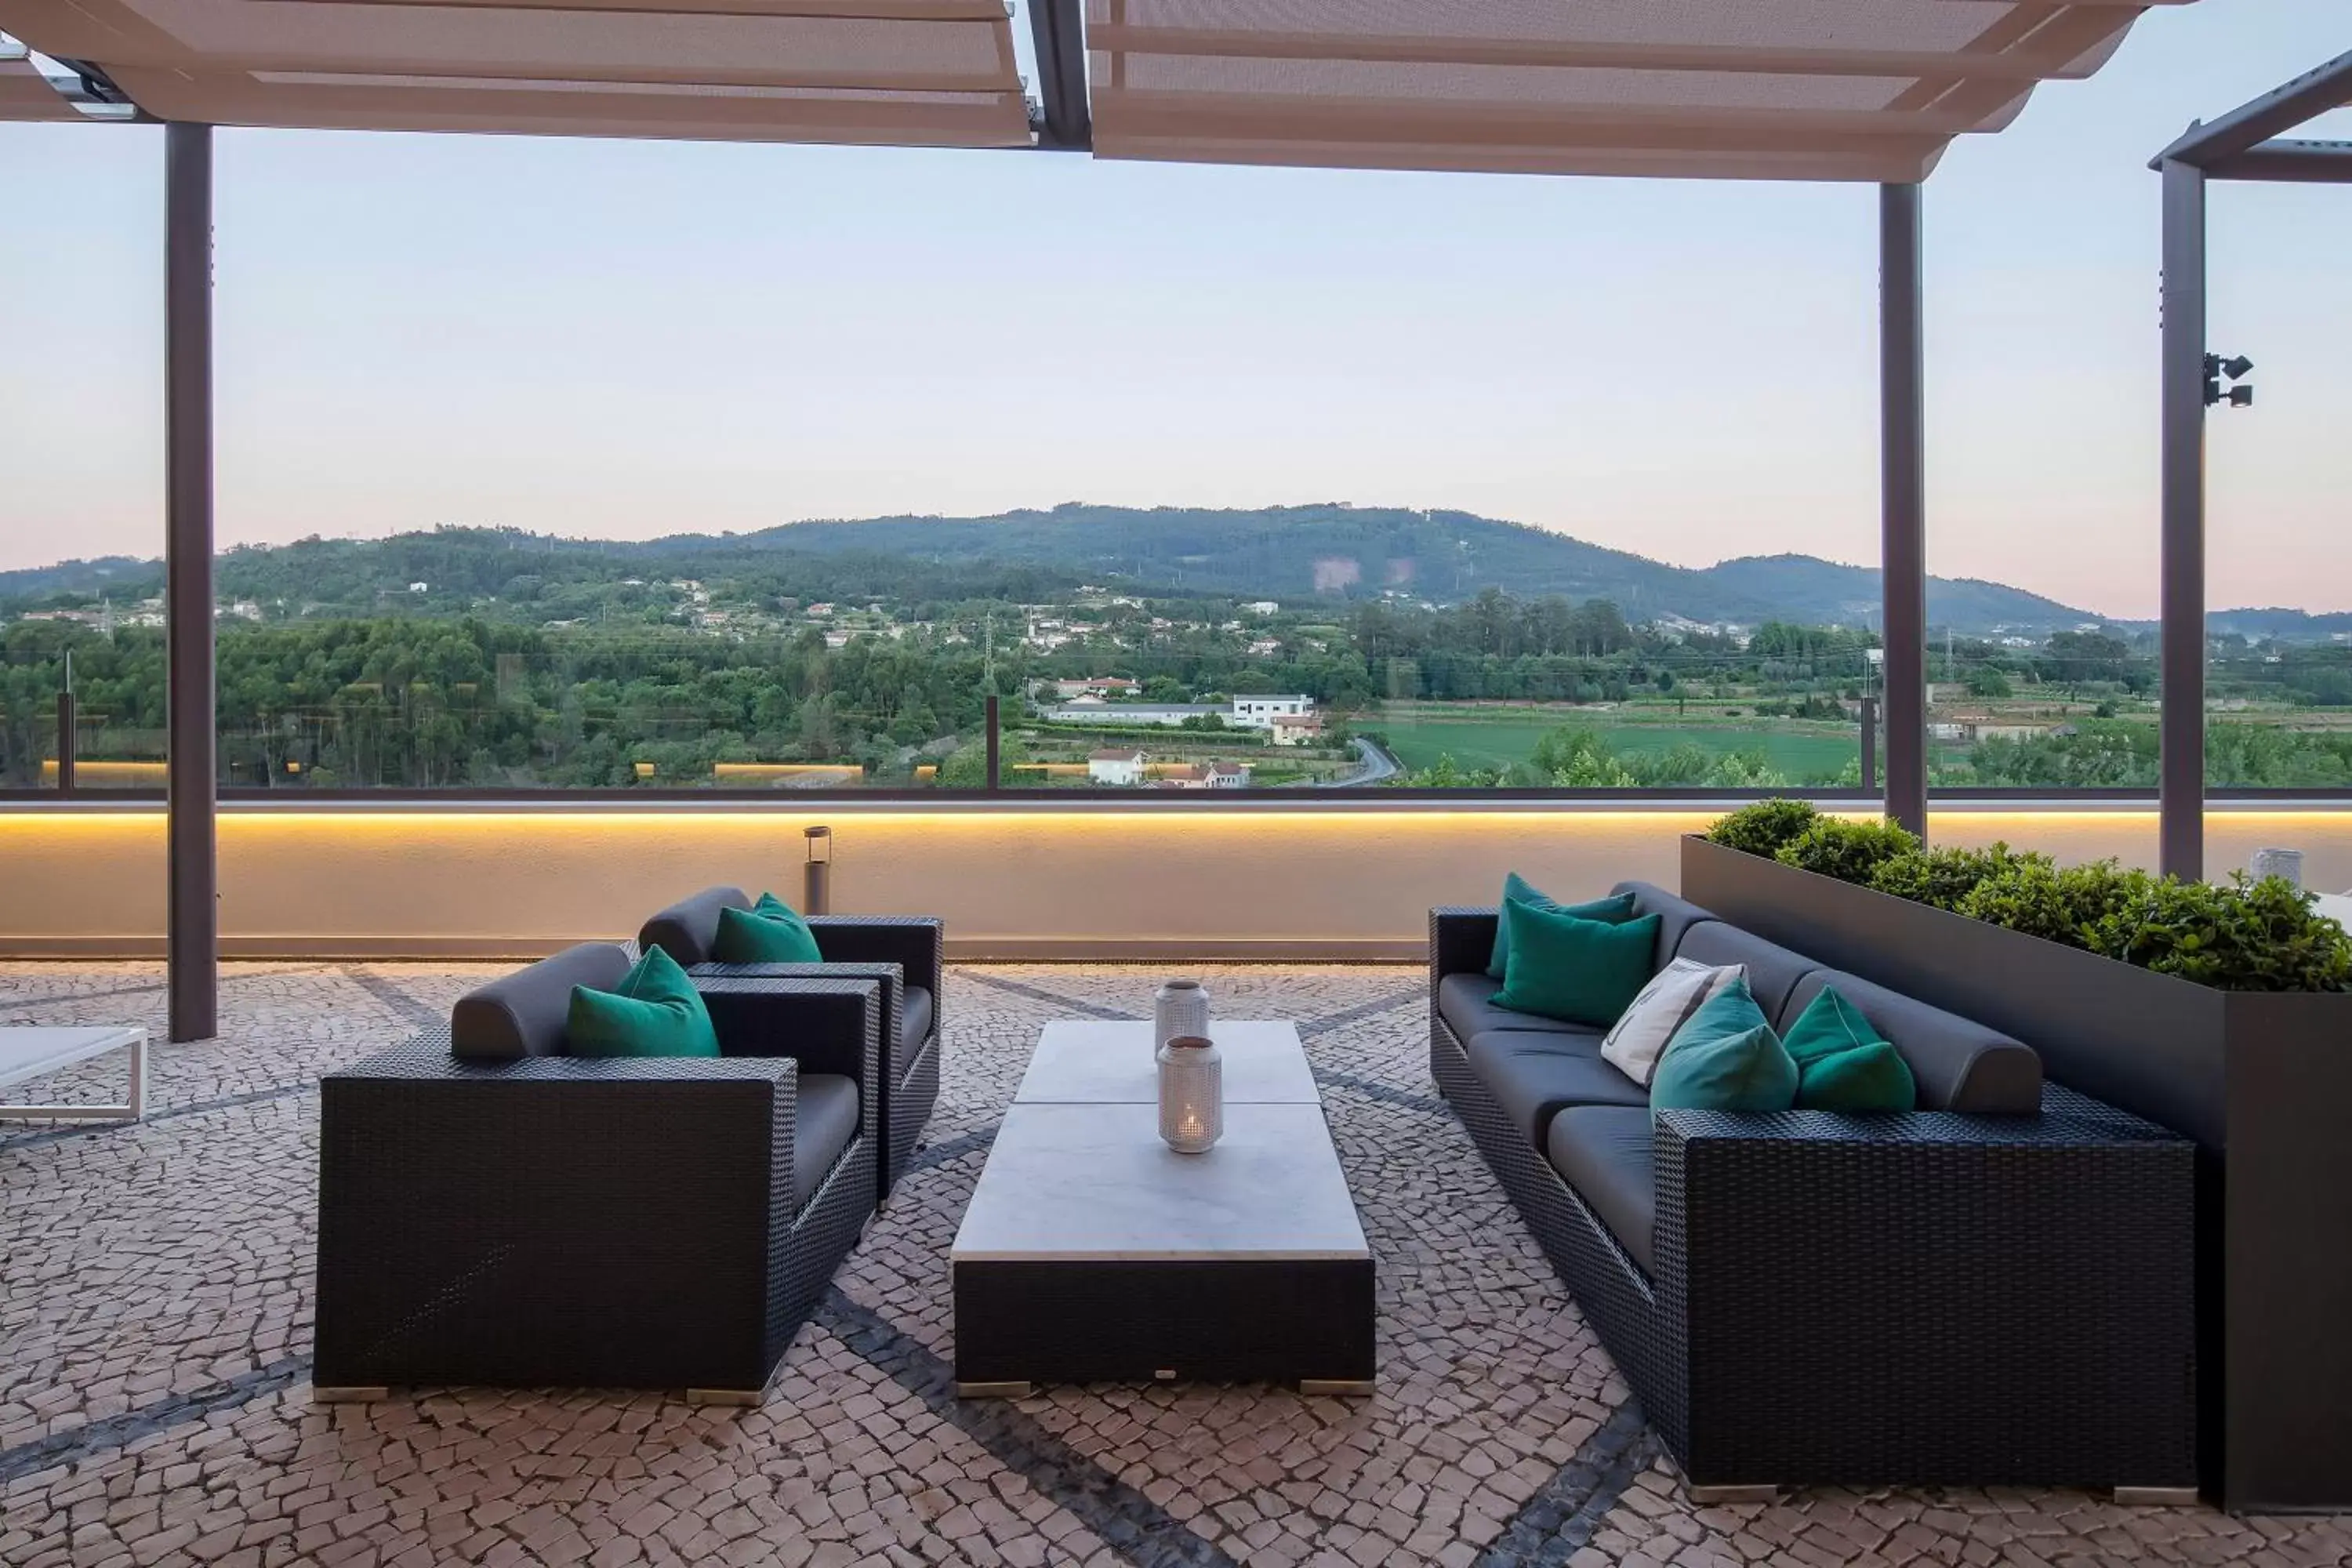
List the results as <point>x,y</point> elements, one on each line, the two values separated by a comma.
<point>2250,142</point>
<point>1863,90</point>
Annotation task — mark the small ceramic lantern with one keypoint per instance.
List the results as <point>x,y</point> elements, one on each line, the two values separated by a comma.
<point>1179,1007</point>
<point>1192,1094</point>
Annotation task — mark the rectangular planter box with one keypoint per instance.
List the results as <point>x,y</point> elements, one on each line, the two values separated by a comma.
<point>2262,1082</point>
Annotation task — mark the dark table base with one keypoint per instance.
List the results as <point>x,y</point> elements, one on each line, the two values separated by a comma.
<point>1307,1321</point>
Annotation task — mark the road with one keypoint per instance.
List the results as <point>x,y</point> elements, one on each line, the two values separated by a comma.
<point>1373,766</point>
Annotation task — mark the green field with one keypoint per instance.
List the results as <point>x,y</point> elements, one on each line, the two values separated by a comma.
<point>1501,739</point>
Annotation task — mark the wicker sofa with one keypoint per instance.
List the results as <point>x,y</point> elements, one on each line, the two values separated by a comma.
<point>1995,1288</point>
<point>904,953</point>
<point>494,1211</point>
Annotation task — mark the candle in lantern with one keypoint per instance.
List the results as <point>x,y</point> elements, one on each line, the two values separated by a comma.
<point>1192,1093</point>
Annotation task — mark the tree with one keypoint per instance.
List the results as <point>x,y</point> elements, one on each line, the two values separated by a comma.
<point>1986,680</point>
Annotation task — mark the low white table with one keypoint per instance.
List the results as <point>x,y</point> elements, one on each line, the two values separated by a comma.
<point>30,1053</point>
<point>1093,1252</point>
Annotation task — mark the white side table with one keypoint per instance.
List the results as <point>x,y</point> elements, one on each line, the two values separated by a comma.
<point>28,1053</point>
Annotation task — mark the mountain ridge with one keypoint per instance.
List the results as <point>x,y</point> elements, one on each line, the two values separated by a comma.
<point>1330,551</point>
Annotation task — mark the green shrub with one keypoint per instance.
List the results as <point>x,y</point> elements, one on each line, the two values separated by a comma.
<point>1762,828</point>
<point>1850,851</point>
<point>1944,876</point>
<point>2033,895</point>
<point>2248,936</point>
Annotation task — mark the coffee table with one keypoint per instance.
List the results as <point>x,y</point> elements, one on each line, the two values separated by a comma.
<point>30,1053</point>
<point>1091,1252</point>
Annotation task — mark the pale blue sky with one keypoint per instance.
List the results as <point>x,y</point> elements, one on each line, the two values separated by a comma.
<point>629,339</point>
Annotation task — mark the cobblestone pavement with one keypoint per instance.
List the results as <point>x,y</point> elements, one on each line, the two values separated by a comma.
<point>154,1335</point>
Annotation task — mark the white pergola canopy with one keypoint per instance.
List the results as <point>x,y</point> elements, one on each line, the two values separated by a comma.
<point>1808,90</point>
<point>920,73</point>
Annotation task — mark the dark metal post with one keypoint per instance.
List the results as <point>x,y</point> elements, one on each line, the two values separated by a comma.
<point>67,737</point>
<point>816,876</point>
<point>1870,743</point>
<point>1902,501</point>
<point>193,917</point>
<point>2182,794</point>
<point>995,746</point>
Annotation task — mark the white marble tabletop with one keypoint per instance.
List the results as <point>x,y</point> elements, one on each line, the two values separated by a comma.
<point>1094,1061</point>
<point>1093,1182</point>
<point>31,1052</point>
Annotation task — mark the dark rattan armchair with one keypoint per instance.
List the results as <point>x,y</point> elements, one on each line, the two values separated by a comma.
<point>516,1216</point>
<point>1941,1298</point>
<point>905,954</point>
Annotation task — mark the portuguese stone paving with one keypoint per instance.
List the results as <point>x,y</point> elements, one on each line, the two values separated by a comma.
<point>154,1336</point>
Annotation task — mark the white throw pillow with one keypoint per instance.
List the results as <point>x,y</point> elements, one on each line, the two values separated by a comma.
<point>1638,1038</point>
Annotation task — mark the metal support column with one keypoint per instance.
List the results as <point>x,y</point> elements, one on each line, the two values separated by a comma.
<point>193,919</point>
<point>2180,849</point>
<point>1902,501</point>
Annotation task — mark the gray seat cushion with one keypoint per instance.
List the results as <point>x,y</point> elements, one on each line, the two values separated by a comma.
<point>1958,1064</point>
<point>1533,1075</point>
<point>686,929</point>
<point>1466,1002</point>
<point>916,1012</point>
<point>523,1014</point>
<point>1604,1153</point>
<point>828,1121</point>
<point>1772,971</point>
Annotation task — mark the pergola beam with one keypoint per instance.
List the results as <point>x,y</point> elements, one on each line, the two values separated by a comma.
<point>2275,113</point>
<point>2289,161</point>
<point>192,907</point>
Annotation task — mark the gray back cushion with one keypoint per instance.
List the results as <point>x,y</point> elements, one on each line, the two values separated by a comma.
<point>1773,971</point>
<point>1961,1064</point>
<point>686,929</point>
<point>1675,916</point>
<point>523,1014</point>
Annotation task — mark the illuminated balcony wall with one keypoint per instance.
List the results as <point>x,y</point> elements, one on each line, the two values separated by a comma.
<point>1336,882</point>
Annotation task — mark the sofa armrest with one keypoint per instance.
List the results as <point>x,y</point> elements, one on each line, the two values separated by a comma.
<point>825,1021</point>
<point>1461,942</point>
<point>1978,1271</point>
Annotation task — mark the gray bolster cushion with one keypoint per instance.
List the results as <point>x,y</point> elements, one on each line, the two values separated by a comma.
<point>687,930</point>
<point>523,1014</point>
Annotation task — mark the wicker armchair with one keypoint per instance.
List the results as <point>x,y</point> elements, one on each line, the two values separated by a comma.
<point>1939,1298</point>
<point>534,1218</point>
<point>905,954</point>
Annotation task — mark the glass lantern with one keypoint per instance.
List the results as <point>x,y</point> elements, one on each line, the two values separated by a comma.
<point>1192,1094</point>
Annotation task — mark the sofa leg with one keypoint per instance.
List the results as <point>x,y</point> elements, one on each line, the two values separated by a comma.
<point>1723,1496</point>
<point>2156,1497</point>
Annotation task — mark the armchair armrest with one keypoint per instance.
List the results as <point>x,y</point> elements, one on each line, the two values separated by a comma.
<point>916,943</point>
<point>468,1208</point>
<point>1985,1286</point>
<point>1461,942</point>
<point>823,1020</point>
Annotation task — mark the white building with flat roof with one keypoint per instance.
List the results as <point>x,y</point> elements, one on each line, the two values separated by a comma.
<point>1256,712</point>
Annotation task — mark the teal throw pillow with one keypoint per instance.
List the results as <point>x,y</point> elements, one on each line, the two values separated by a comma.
<point>1726,1057</point>
<point>1576,970</point>
<point>769,932</point>
<point>655,1011</point>
<point>1841,1063</point>
<point>1615,910</point>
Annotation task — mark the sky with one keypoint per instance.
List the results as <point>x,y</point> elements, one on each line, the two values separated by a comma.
<point>629,339</point>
